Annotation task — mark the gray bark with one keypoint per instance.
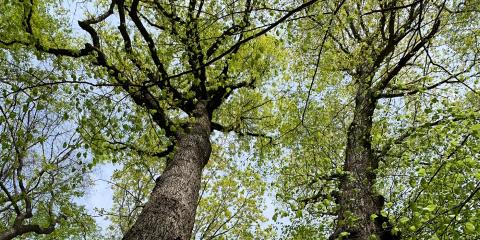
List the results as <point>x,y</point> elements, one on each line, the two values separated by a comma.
<point>357,199</point>
<point>170,211</point>
<point>19,230</point>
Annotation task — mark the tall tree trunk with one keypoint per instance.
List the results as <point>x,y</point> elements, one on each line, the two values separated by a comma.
<point>357,199</point>
<point>170,212</point>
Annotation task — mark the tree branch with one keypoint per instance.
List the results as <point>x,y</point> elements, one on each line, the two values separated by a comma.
<point>414,91</point>
<point>404,60</point>
<point>258,34</point>
<point>235,129</point>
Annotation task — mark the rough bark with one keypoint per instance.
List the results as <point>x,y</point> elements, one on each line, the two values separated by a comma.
<point>357,199</point>
<point>170,211</point>
<point>19,230</point>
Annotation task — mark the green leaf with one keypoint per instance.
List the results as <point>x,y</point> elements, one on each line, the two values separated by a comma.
<point>469,227</point>
<point>430,207</point>
<point>421,172</point>
<point>275,216</point>
<point>384,213</point>
<point>403,220</point>
<point>475,130</point>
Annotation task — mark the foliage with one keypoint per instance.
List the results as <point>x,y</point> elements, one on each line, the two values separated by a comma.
<point>417,133</point>
<point>42,158</point>
<point>289,97</point>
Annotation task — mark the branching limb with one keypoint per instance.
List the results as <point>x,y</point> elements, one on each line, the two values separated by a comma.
<point>127,146</point>
<point>248,39</point>
<point>148,39</point>
<point>237,130</point>
<point>408,132</point>
<point>75,53</point>
<point>383,82</point>
<point>23,229</point>
<point>407,92</point>
<point>232,30</point>
<point>218,95</point>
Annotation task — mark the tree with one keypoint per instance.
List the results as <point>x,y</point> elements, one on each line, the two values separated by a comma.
<point>40,156</point>
<point>393,57</point>
<point>231,197</point>
<point>373,117</point>
<point>176,62</point>
<point>230,205</point>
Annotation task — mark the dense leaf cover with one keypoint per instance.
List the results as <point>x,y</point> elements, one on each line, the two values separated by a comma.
<point>240,119</point>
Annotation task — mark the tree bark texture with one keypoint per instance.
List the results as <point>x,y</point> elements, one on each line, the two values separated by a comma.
<point>170,212</point>
<point>357,199</point>
<point>18,230</point>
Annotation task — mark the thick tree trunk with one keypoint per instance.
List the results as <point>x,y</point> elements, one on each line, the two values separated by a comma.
<point>170,211</point>
<point>357,199</point>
